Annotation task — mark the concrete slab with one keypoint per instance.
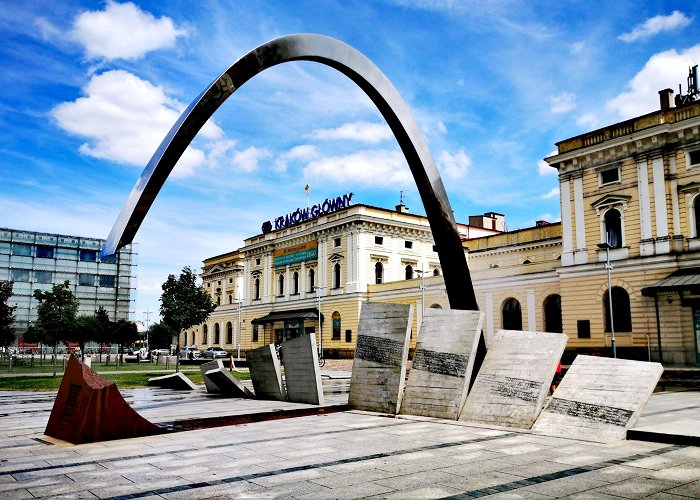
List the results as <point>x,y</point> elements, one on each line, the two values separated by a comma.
<point>228,384</point>
<point>301,371</point>
<point>381,352</point>
<point>266,373</point>
<point>204,368</point>
<point>599,398</point>
<point>514,379</point>
<point>442,364</point>
<point>177,381</point>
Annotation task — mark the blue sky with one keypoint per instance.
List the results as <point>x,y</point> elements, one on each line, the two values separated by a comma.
<point>91,88</point>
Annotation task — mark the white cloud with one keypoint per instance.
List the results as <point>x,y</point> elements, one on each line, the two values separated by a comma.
<point>589,121</point>
<point>125,118</point>
<point>553,193</point>
<point>577,47</point>
<point>361,131</point>
<point>303,152</point>
<point>454,166</point>
<point>562,102</point>
<point>662,70</point>
<point>123,31</point>
<point>248,160</point>
<point>543,167</point>
<point>655,25</point>
<point>379,167</point>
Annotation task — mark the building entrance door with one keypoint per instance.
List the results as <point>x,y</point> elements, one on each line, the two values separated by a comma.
<point>696,331</point>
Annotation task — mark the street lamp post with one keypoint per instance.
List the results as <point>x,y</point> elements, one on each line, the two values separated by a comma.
<point>148,313</point>
<point>608,267</point>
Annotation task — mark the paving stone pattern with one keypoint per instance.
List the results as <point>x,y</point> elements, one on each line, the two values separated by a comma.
<point>599,398</point>
<point>301,371</point>
<point>379,367</point>
<point>340,455</point>
<point>513,382</point>
<point>442,364</point>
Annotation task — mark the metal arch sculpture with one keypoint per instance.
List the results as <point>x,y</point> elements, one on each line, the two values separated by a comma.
<point>357,67</point>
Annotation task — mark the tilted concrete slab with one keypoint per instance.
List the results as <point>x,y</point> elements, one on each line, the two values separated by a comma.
<point>442,364</point>
<point>514,379</point>
<point>177,381</point>
<point>302,375</point>
<point>89,409</point>
<point>265,373</point>
<point>208,383</point>
<point>227,384</point>
<point>599,398</point>
<point>381,352</point>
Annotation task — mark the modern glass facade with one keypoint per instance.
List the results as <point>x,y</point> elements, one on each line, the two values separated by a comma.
<point>35,261</point>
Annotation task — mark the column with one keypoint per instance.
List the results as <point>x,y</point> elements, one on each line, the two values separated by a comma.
<point>646,244</point>
<point>531,310</point>
<point>581,253</point>
<point>663,243</point>
<point>567,257</point>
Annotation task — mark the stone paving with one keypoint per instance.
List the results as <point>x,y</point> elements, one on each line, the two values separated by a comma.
<point>348,454</point>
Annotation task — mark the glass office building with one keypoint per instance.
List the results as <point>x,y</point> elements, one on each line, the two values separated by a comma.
<point>36,261</point>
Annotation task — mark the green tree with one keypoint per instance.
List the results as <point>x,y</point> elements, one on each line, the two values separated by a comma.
<point>160,336</point>
<point>183,303</point>
<point>56,314</point>
<point>85,328</point>
<point>7,314</point>
<point>123,332</point>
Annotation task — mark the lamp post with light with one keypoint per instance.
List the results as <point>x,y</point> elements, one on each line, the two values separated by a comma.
<point>608,266</point>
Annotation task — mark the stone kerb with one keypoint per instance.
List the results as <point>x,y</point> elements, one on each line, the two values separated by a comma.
<point>208,383</point>
<point>227,384</point>
<point>265,373</point>
<point>599,399</point>
<point>514,379</point>
<point>301,372</point>
<point>379,367</point>
<point>442,364</point>
<point>177,381</point>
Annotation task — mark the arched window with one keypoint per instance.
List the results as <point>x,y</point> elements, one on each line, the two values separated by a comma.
<point>613,228</point>
<point>552,314</point>
<point>218,301</point>
<point>336,276</point>
<point>696,217</point>
<point>280,285</point>
<point>256,289</point>
<point>217,334</point>
<point>436,272</point>
<point>378,273</point>
<point>336,326</point>
<point>436,306</point>
<point>312,284</point>
<point>230,298</point>
<point>512,315</point>
<point>205,335</point>
<point>229,333</point>
<point>409,272</point>
<point>295,283</point>
<point>622,317</point>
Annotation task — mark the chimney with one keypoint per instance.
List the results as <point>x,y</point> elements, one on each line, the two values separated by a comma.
<point>666,98</point>
<point>401,208</point>
<point>540,223</point>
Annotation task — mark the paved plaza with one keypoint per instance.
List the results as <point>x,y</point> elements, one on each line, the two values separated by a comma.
<point>339,454</point>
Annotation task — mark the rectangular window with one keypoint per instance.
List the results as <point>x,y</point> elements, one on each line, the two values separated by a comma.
<point>20,275</point>
<point>107,281</point>
<point>583,327</point>
<point>609,176</point>
<point>694,158</point>
<point>21,249</point>
<point>434,248</point>
<point>88,256</point>
<point>66,253</point>
<point>255,332</point>
<point>348,335</point>
<point>257,261</point>
<point>408,244</point>
<point>109,259</point>
<point>86,279</point>
<point>379,240</point>
<point>336,242</point>
<point>43,276</point>
<point>44,252</point>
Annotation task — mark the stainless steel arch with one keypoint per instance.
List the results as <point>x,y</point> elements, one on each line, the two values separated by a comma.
<point>353,64</point>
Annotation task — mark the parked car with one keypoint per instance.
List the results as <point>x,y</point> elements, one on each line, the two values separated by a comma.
<point>160,352</point>
<point>131,356</point>
<point>190,352</point>
<point>215,352</point>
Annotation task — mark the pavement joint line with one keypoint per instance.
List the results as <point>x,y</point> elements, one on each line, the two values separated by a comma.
<point>552,476</point>
<point>183,450</point>
<point>299,468</point>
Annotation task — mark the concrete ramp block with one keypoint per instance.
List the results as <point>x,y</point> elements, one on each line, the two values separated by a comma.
<point>301,372</point>
<point>599,399</point>
<point>227,384</point>
<point>265,373</point>
<point>442,364</point>
<point>381,352</point>
<point>177,381</point>
<point>204,368</point>
<point>513,382</point>
<point>89,409</point>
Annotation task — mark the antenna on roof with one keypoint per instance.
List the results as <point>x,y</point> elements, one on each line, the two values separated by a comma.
<point>693,91</point>
<point>401,207</point>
